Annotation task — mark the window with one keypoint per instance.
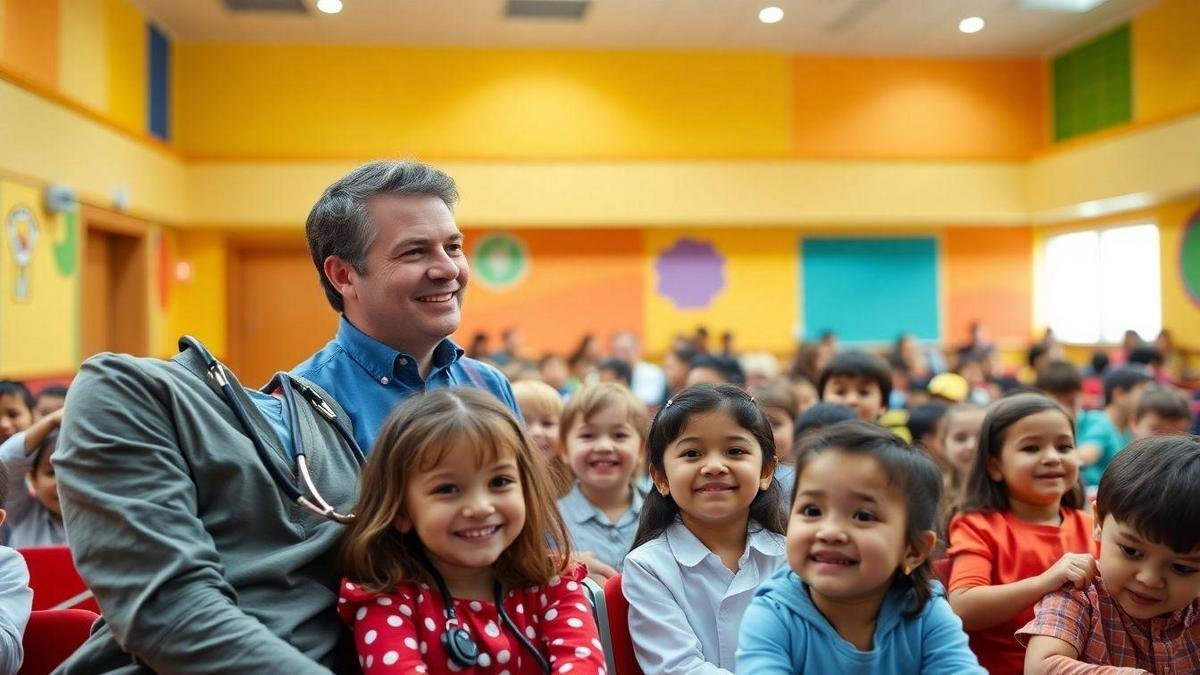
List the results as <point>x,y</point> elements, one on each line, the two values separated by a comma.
<point>1100,283</point>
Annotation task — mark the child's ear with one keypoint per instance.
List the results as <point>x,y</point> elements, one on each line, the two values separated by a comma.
<point>402,523</point>
<point>918,551</point>
<point>1098,522</point>
<point>3,515</point>
<point>993,468</point>
<point>768,474</point>
<point>660,482</point>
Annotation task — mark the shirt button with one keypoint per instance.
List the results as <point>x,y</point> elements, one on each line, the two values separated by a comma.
<point>383,380</point>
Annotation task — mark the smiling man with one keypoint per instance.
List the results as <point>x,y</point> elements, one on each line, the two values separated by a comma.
<point>391,261</point>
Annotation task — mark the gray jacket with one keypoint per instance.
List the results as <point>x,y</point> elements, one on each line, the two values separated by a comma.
<point>200,564</point>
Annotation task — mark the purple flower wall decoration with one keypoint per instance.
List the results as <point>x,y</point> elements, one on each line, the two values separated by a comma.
<point>690,273</point>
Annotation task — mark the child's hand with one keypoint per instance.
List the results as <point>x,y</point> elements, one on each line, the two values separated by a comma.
<point>597,570</point>
<point>1076,568</point>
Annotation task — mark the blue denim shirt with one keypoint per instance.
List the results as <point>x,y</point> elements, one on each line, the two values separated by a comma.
<point>369,378</point>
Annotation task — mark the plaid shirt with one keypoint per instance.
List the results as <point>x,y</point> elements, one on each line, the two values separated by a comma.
<point>1092,622</point>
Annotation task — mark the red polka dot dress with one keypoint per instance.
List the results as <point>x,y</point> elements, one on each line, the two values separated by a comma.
<point>400,632</point>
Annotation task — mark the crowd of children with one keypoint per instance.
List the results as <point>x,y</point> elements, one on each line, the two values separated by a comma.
<point>903,521</point>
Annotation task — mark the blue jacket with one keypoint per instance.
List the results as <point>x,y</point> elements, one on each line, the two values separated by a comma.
<point>783,632</point>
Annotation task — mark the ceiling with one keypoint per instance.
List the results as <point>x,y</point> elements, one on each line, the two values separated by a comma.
<point>867,27</point>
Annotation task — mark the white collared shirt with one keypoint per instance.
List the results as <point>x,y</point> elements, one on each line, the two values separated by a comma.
<point>686,606</point>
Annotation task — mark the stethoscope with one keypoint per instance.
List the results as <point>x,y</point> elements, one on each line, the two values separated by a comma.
<point>457,642</point>
<point>312,501</point>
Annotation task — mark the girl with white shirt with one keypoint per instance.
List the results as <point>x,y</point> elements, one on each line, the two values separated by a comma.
<point>710,532</point>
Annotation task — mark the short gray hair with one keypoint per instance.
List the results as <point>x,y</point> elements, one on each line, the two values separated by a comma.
<point>339,224</point>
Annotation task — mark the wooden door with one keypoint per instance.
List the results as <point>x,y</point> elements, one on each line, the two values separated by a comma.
<point>116,290</point>
<point>278,315</point>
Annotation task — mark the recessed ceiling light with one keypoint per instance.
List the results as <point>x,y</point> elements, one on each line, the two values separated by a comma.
<point>770,14</point>
<point>971,24</point>
<point>329,6</point>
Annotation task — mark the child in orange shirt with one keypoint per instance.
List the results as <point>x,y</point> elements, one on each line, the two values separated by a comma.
<point>1021,533</point>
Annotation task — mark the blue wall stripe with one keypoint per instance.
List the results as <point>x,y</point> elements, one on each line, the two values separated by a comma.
<point>160,84</point>
<point>870,290</point>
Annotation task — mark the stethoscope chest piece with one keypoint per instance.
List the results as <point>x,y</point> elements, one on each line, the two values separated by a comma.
<point>459,646</point>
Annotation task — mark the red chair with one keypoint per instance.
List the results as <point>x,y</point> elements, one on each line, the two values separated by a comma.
<point>55,582</point>
<point>52,635</point>
<point>941,570</point>
<point>618,627</point>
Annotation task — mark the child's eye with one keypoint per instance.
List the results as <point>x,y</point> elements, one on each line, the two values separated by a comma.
<point>445,489</point>
<point>1129,552</point>
<point>454,248</point>
<point>738,451</point>
<point>1030,448</point>
<point>809,511</point>
<point>865,516</point>
<point>1185,570</point>
<point>1065,448</point>
<point>501,482</point>
<point>690,454</point>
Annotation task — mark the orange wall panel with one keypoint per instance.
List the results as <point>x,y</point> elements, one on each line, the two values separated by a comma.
<point>31,29</point>
<point>578,281</point>
<point>874,108</point>
<point>988,277</point>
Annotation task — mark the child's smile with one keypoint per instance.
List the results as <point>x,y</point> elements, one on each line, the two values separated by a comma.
<point>846,533</point>
<point>714,469</point>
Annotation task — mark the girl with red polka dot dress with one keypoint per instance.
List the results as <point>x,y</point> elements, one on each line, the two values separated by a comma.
<point>458,560</point>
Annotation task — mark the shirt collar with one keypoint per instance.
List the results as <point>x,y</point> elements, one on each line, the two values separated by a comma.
<point>381,360</point>
<point>690,551</point>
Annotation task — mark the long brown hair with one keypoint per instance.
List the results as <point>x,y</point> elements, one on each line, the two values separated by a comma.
<point>415,438</point>
<point>981,493</point>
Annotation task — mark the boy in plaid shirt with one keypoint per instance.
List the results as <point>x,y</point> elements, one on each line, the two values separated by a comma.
<point>1142,612</point>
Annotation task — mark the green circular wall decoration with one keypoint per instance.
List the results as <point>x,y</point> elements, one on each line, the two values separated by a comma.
<point>500,261</point>
<point>1189,257</point>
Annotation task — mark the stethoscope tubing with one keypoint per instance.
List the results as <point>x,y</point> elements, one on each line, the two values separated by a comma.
<point>313,501</point>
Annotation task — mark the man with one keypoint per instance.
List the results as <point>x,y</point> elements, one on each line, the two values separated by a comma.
<point>391,261</point>
<point>649,382</point>
<point>200,562</point>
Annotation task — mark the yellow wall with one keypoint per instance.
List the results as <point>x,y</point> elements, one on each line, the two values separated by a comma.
<point>759,300</point>
<point>1145,166</point>
<point>279,101</point>
<point>127,68</point>
<point>198,306</point>
<point>83,52</point>
<point>634,194</point>
<point>1166,61</point>
<point>39,332</point>
<point>47,142</point>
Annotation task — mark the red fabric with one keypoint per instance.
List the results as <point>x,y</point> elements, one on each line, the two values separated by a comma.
<point>994,548</point>
<point>54,579</point>
<point>618,628</point>
<point>400,632</point>
<point>51,636</point>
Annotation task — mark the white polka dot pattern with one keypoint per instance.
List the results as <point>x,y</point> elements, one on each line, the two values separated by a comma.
<point>400,632</point>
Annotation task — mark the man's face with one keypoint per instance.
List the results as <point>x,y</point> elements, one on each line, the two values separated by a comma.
<point>410,297</point>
